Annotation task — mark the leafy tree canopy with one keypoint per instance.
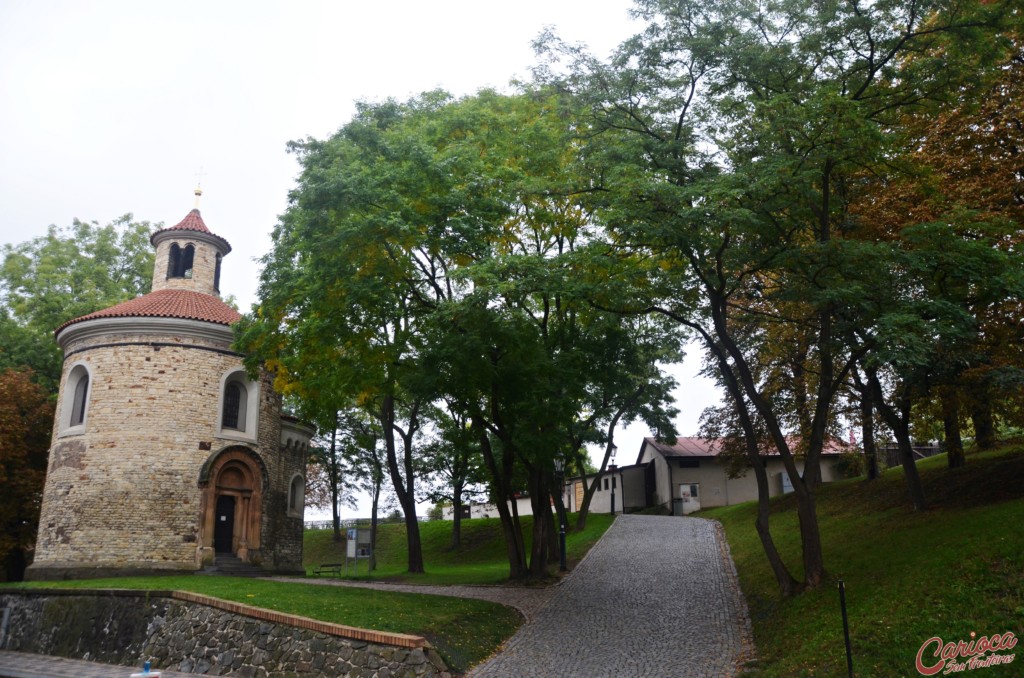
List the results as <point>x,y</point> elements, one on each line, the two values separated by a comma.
<point>26,420</point>
<point>68,273</point>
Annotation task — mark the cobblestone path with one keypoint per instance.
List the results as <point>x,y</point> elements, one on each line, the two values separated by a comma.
<point>657,596</point>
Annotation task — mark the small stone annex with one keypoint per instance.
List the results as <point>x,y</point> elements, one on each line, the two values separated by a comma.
<point>165,454</point>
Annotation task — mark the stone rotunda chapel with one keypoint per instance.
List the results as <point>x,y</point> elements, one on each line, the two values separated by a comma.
<point>165,456</point>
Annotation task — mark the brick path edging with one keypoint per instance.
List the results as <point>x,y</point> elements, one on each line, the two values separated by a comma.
<point>340,630</point>
<point>749,651</point>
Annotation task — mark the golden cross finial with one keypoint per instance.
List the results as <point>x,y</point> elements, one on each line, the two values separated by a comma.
<point>199,191</point>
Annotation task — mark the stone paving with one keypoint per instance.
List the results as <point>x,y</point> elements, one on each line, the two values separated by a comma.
<point>26,665</point>
<point>657,596</point>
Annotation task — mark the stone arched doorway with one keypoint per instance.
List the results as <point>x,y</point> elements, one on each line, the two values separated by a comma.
<point>232,482</point>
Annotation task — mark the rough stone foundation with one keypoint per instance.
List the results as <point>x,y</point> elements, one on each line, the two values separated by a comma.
<point>193,633</point>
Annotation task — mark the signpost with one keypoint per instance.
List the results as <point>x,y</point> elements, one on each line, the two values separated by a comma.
<point>357,546</point>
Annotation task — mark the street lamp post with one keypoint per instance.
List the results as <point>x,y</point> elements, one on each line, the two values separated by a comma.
<point>611,465</point>
<point>560,474</point>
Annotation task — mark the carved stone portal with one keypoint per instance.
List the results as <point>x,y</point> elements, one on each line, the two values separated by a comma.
<point>232,481</point>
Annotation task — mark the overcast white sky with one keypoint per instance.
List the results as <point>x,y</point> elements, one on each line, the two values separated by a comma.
<point>111,107</point>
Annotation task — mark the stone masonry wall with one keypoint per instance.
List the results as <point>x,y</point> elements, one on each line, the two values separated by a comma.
<point>283,533</point>
<point>124,493</point>
<point>204,264</point>
<point>191,633</point>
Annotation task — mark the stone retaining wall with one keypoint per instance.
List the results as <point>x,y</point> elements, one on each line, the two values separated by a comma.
<point>192,633</point>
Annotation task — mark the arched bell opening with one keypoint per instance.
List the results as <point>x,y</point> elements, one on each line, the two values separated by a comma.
<point>232,483</point>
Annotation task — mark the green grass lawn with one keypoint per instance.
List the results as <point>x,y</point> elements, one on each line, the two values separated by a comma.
<point>464,632</point>
<point>481,558</point>
<point>954,569</point>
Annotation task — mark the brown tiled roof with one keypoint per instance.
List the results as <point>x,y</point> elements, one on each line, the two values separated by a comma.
<point>685,447</point>
<point>168,304</point>
<point>193,221</point>
<point>701,447</point>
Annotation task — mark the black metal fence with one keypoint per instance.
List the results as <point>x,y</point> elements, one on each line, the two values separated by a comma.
<point>347,523</point>
<point>891,453</point>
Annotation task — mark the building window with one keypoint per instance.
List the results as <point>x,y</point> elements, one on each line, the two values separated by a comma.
<point>216,273</point>
<point>235,398</point>
<point>75,408</point>
<point>606,483</point>
<point>179,262</point>
<point>296,495</point>
<point>239,406</point>
<point>173,260</point>
<point>78,404</point>
<point>689,463</point>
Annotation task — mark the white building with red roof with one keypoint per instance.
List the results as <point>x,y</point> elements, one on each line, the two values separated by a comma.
<point>166,456</point>
<point>693,473</point>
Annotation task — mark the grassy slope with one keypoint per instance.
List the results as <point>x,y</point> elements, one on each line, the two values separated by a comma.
<point>481,558</point>
<point>948,571</point>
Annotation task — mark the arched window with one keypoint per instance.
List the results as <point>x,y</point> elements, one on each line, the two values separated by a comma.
<point>187,256</point>
<point>239,406</point>
<point>296,495</point>
<point>179,262</point>
<point>78,404</point>
<point>235,401</point>
<point>174,261</point>
<point>75,407</point>
<point>216,274</point>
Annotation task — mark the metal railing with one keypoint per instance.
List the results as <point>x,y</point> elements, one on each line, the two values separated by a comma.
<point>347,523</point>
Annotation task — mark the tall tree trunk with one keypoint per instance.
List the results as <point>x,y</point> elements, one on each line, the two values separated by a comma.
<point>457,515</point>
<point>500,475</point>
<point>814,560</point>
<point>788,585</point>
<point>539,503</point>
<point>403,485</point>
<point>981,416</point>
<point>867,427</point>
<point>378,480</point>
<point>951,426</point>
<point>589,490</point>
<point>810,538</point>
<point>334,474</point>
<point>898,422</point>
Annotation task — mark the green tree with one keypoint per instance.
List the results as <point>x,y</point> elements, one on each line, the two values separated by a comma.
<point>961,168</point>
<point>65,274</point>
<point>729,134</point>
<point>26,419</point>
<point>325,474</point>
<point>357,263</point>
<point>427,237</point>
<point>619,364</point>
<point>454,461</point>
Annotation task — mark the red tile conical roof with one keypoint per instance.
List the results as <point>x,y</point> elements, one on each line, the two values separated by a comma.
<point>183,304</point>
<point>193,222</point>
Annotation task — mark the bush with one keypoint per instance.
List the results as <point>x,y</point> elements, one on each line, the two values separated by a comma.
<point>850,464</point>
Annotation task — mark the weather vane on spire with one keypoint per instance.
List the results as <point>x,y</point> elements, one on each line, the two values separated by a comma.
<point>199,181</point>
